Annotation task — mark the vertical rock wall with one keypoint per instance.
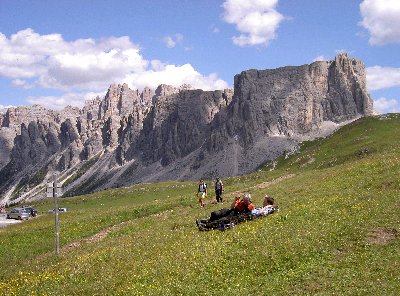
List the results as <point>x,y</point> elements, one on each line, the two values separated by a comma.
<point>181,132</point>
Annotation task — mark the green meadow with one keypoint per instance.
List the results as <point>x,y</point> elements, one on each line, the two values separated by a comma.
<point>337,231</point>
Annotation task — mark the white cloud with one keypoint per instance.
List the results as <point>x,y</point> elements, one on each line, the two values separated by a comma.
<point>384,105</point>
<point>4,108</point>
<point>29,60</point>
<point>172,41</point>
<point>161,74</point>
<point>256,20</point>
<point>320,58</point>
<point>176,76</point>
<point>382,77</point>
<point>91,70</point>
<point>157,65</point>
<point>52,62</point>
<point>382,20</point>
<point>22,84</point>
<point>59,102</point>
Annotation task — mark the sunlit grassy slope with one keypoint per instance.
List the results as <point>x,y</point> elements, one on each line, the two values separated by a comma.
<point>337,232</point>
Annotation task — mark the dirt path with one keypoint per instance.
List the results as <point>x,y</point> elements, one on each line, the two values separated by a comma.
<point>95,238</point>
<point>273,182</point>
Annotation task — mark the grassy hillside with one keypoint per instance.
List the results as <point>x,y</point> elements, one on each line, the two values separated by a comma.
<point>337,232</point>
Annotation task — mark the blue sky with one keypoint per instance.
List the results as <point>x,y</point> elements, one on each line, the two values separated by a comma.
<point>63,52</point>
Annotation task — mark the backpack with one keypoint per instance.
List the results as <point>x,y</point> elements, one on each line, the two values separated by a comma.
<point>216,215</point>
<point>202,187</point>
<point>218,185</point>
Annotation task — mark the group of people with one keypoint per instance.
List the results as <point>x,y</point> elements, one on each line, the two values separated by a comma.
<point>241,209</point>
<point>202,191</point>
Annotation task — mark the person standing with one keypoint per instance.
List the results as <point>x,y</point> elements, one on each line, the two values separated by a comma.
<point>219,188</point>
<point>201,192</point>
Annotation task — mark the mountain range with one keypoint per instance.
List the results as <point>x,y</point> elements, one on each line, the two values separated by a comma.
<point>170,133</point>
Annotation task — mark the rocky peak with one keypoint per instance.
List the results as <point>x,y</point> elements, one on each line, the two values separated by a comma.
<point>109,106</point>
<point>120,100</point>
<point>15,116</point>
<point>294,101</point>
<point>68,112</point>
<point>183,133</point>
<point>185,86</point>
<point>147,95</point>
<point>164,92</point>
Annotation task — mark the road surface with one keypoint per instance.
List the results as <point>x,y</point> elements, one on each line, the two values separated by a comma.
<point>5,222</point>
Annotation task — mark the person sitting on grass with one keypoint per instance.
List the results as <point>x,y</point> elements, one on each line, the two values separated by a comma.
<point>268,207</point>
<point>239,205</point>
<point>225,216</point>
<point>243,205</point>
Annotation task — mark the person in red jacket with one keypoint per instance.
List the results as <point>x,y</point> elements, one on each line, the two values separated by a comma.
<point>239,205</point>
<point>243,205</point>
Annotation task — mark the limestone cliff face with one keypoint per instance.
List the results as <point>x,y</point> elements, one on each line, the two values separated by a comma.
<point>7,136</point>
<point>177,133</point>
<point>294,101</point>
<point>179,123</point>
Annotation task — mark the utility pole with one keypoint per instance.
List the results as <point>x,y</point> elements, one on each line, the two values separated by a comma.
<point>56,217</point>
<point>53,189</point>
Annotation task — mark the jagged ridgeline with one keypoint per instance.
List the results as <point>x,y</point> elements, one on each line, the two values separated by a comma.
<point>173,133</point>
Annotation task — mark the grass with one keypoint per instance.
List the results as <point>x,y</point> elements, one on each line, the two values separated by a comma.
<point>337,232</point>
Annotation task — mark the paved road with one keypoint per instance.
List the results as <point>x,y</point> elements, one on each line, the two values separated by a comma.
<point>5,222</point>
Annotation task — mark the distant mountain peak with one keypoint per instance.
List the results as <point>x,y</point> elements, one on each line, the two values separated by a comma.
<point>180,133</point>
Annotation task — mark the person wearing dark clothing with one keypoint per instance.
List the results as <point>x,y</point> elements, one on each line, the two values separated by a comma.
<point>219,188</point>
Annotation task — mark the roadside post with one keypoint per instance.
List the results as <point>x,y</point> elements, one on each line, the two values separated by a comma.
<point>54,190</point>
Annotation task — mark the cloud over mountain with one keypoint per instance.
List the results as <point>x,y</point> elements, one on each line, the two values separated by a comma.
<point>48,61</point>
<point>382,77</point>
<point>257,21</point>
<point>384,105</point>
<point>382,20</point>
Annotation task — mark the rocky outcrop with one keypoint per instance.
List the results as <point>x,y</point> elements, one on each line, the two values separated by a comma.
<point>294,101</point>
<point>177,133</point>
<point>7,136</point>
<point>179,123</point>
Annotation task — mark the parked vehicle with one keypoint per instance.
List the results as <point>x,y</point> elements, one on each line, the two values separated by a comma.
<point>19,213</point>
<point>32,211</point>
<point>59,209</point>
